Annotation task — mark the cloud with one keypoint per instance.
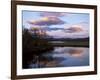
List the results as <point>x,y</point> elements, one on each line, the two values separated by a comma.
<point>71,31</point>
<point>62,34</point>
<point>47,21</point>
<point>56,14</point>
<point>83,24</point>
<point>74,29</point>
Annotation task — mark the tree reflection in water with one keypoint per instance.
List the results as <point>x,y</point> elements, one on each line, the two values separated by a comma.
<point>62,57</point>
<point>45,61</point>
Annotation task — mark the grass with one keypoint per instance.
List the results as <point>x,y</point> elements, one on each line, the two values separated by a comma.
<point>73,43</point>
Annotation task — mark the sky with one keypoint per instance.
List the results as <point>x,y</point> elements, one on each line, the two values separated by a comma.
<point>58,24</point>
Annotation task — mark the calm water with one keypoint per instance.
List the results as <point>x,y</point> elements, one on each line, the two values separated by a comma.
<point>62,57</point>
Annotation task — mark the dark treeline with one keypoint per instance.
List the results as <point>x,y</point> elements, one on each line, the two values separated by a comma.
<point>68,39</point>
<point>33,46</point>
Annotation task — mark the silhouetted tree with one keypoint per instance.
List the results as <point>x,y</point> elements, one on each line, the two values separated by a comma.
<point>33,45</point>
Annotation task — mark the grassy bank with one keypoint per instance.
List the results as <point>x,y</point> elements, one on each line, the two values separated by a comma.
<point>72,43</point>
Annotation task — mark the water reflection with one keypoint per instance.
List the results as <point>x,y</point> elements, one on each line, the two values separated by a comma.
<point>62,57</point>
<point>76,52</point>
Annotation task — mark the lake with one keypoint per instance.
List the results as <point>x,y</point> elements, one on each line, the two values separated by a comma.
<point>62,57</point>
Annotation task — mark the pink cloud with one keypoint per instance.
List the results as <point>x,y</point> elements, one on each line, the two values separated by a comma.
<point>56,14</point>
<point>71,32</point>
<point>47,21</point>
<point>74,29</point>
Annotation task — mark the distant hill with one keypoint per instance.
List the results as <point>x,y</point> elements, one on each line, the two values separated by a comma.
<point>67,39</point>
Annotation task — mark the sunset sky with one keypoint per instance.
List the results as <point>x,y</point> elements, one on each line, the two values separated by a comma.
<point>58,24</point>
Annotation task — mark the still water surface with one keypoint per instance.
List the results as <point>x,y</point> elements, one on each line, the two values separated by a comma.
<point>62,57</point>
